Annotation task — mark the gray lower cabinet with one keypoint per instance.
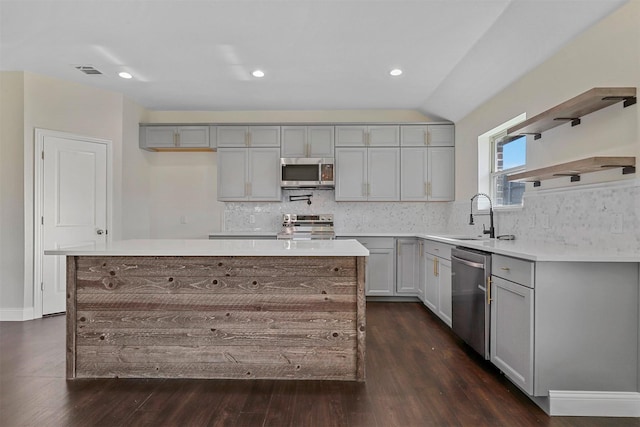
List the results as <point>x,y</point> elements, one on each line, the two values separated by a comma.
<point>407,278</point>
<point>381,272</point>
<point>512,331</point>
<point>435,277</point>
<point>565,326</point>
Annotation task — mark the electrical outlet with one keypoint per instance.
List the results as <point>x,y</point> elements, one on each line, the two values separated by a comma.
<point>616,223</point>
<point>252,219</point>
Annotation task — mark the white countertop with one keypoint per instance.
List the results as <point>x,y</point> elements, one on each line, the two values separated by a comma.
<point>540,251</point>
<point>219,247</point>
<point>531,250</point>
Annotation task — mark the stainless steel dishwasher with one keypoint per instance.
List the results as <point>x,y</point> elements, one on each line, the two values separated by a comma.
<point>471,296</point>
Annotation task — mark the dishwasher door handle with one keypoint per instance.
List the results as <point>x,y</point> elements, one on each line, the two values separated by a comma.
<point>467,262</point>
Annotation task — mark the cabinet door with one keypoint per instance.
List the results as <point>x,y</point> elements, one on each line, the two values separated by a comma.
<point>351,174</point>
<point>264,136</point>
<point>431,285</point>
<point>264,174</point>
<point>441,136</point>
<point>294,141</point>
<point>383,174</point>
<point>193,136</point>
<point>232,174</point>
<point>413,136</point>
<point>414,169</point>
<point>444,290</point>
<point>320,141</point>
<point>232,136</point>
<point>421,270</point>
<point>441,174</point>
<point>407,266</point>
<point>384,136</point>
<point>512,331</point>
<point>380,272</point>
<point>351,136</point>
<point>160,136</point>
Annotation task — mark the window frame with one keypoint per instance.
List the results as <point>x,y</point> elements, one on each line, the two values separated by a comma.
<point>486,161</point>
<point>494,174</point>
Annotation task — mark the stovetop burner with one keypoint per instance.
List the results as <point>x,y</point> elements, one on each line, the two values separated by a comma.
<point>307,227</point>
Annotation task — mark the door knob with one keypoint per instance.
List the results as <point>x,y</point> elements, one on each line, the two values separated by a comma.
<point>99,232</point>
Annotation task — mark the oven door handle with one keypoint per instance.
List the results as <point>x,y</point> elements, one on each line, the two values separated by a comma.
<point>467,262</point>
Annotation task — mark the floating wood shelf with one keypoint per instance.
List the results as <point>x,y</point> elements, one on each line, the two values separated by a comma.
<point>575,168</point>
<point>572,110</point>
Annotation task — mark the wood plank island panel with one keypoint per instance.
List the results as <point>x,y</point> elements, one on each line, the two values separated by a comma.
<point>238,317</point>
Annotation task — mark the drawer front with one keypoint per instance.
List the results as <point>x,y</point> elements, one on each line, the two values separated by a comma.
<point>513,269</point>
<point>438,249</point>
<point>377,242</point>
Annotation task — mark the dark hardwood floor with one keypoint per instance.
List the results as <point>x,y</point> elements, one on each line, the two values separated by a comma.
<point>418,374</point>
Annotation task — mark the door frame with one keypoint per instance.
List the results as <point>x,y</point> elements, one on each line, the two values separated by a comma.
<point>38,201</point>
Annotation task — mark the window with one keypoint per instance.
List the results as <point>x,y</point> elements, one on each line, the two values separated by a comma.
<point>496,159</point>
<point>507,157</point>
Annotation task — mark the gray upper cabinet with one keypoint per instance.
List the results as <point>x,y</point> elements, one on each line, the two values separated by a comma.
<point>249,174</point>
<point>307,141</point>
<point>367,174</point>
<point>176,138</point>
<point>248,136</point>
<point>368,136</point>
<point>427,163</point>
<point>427,135</point>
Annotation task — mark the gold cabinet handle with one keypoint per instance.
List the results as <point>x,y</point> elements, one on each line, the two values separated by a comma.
<point>175,139</point>
<point>428,137</point>
<point>489,291</point>
<point>429,188</point>
<point>505,268</point>
<point>368,189</point>
<point>420,249</point>
<point>426,188</point>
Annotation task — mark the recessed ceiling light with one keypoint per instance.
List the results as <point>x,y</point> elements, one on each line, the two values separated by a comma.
<point>395,72</point>
<point>125,75</point>
<point>257,73</point>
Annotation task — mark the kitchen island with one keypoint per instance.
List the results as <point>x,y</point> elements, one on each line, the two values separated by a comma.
<point>241,309</point>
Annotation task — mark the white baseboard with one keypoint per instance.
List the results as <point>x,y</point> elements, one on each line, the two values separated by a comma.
<point>16,314</point>
<point>594,403</point>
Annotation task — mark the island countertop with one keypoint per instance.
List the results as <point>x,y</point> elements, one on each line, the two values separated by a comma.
<point>205,247</point>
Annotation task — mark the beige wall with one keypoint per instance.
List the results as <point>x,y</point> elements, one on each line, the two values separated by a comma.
<point>11,191</point>
<point>607,54</point>
<point>37,101</point>
<point>336,116</point>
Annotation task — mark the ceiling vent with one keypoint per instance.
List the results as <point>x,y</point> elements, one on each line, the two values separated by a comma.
<point>87,69</point>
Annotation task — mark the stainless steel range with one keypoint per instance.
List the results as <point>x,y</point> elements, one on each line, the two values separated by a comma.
<point>307,227</point>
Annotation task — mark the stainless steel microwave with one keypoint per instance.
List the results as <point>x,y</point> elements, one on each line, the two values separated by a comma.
<point>303,172</point>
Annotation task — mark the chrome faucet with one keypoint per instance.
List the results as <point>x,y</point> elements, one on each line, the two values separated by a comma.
<point>491,231</point>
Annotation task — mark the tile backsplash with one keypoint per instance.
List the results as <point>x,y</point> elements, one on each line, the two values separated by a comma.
<point>596,215</point>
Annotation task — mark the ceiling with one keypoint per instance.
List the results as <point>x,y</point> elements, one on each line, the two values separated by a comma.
<point>317,54</point>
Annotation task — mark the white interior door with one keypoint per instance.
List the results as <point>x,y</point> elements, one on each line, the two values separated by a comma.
<point>74,209</point>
